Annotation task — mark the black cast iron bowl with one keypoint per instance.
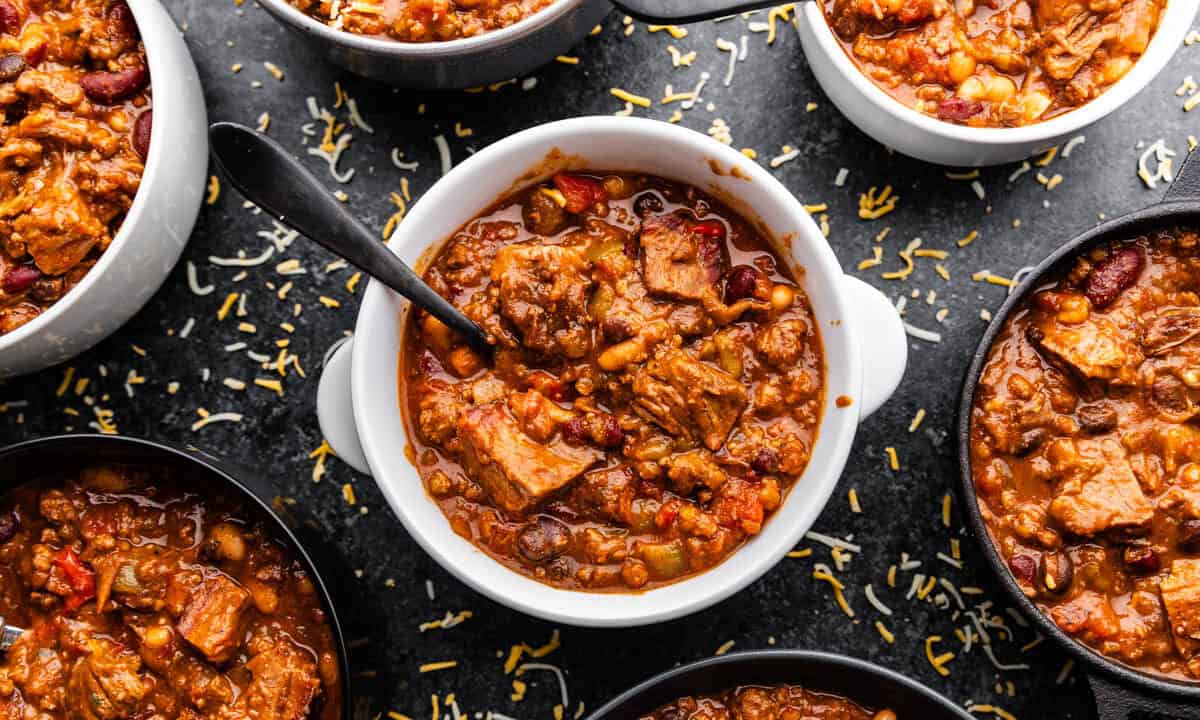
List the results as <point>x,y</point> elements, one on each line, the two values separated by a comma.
<point>858,680</point>
<point>494,56</point>
<point>1121,692</point>
<point>28,460</point>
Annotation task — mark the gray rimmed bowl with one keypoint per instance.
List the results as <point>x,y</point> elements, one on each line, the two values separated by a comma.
<point>454,64</point>
<point>1121,692</point>
<point>860,681</point>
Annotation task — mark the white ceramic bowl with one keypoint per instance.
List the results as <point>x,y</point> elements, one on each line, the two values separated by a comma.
<point>155,229</point>
<point>864,343</point>
<point>901,128</point>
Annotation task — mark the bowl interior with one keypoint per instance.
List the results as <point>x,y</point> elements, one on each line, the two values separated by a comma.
<point>37,458</point>
<point>1122,228</point>
<point>862,682</point>
<point>1174,24</point>
<point>610,144</point>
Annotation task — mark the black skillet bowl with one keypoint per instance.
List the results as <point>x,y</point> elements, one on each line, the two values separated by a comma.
<point>1121,692</point>
<point>860,681</point>
<point>28,460</point>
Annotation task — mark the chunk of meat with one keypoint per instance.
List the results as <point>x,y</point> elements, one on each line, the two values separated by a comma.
<point>692,469</point>
<point>676,262</point>
<point>1169,328</point>
<point>438,412</point>
<point>1182,498</point>
<point>104,685</point>
<point>607,495</point>
<point>212,616</point>
<point>1095,348</point>
<point>689,398</point>
<point>284,685</point>
<point>517,471</point>
<point>1097,490</point>
<point>1181,597</point>
<point>782,343</point>
<point>544,292</point>
<point>1088,612</point>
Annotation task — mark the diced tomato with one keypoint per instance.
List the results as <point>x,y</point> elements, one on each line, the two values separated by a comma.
<point>958,109</point>
<point>580,192</point>
<point>713,229</point>
<point>78,575</point>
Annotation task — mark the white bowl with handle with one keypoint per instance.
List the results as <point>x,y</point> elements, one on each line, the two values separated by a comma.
<point>155,230</point>
<point>359,399</point>
<point>899,127</point>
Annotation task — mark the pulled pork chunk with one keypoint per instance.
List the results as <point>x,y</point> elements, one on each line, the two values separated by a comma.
<point>284,686</point>
<point>1097,490</point>
<point>544,291</point>
<point>689,398</point>
<point>516,470</point>
<point>1095,349</point>
<point>678,262</point>
<point>104,685</point>
<point>212,617</point>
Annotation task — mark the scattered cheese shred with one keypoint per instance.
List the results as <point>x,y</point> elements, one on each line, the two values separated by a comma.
<point>938,662</point>
<point>946,501</point>
<point>886,634</point>
<point>873,207</point>
<point>852,494</point>
<point>893,459</point>
<point>435,666</point>
<point>725,647</point>
<point>214,190</point>
<point>629,97</point>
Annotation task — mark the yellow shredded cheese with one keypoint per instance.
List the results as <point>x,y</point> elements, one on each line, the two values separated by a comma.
<point>214,190</point>
<point>435,666</point>
<point>629,97</point>
<point>893,459</point>
<point>938,662</point>
<point>887,635</point>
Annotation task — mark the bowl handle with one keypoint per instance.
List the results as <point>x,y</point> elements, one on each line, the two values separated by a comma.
<point>1186,186</point>
<point>882,339</point>
<point>1118,702</point>
<point>335,409</point>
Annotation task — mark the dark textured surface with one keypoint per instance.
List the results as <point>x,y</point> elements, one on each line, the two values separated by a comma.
<point>766,108</point>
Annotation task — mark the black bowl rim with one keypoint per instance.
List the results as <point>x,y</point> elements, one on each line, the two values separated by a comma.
<point>1127,226</point>
<point>198,458</point>
<point>854,665</point>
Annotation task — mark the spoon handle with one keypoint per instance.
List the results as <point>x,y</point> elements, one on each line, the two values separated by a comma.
<point>688,11</point>
<point>267,174</point>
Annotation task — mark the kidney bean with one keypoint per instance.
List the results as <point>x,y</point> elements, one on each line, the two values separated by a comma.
<point>1023,567</point>
<point>1057,571</point>
<point>958,109</point>
<point>1030,440</point>
<point>8,526</point>
<point>19,279</point>
<point>121,22</point>
<point>11,67</point>
<point>1189,535</point>
<point>10,18</point>
<point>1112,275</point>
<point>1142,559</point>
<point>612,435</point>
<point>109,88</point>
<point>741,282</point>
<point>141,133</point>
<point>647,203</point>
<point>765,461</point>
<point>573,430</point>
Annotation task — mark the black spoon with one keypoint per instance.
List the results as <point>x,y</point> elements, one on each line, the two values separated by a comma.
<point>8,635</point>
<point>687,11</point>
<point>267,174</point>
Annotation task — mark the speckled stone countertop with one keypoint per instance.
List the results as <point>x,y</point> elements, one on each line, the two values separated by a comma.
<point>773,101</point>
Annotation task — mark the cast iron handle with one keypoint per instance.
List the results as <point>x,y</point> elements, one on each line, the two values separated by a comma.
<point>267,174</point>
<point>8,635</point>
<point>687,11</point>
<point>1187,182</point>
<point>1117,702</point>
